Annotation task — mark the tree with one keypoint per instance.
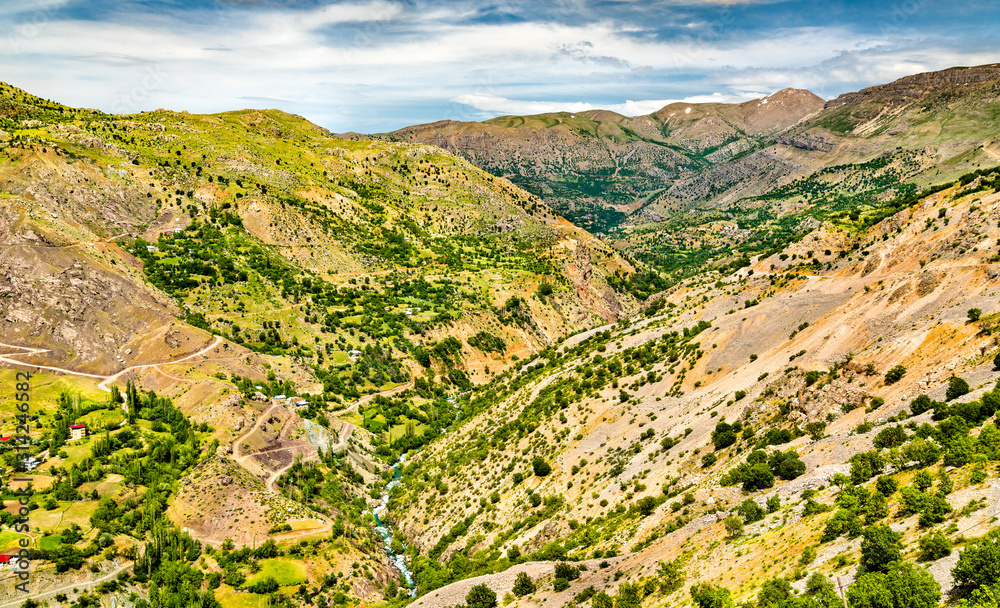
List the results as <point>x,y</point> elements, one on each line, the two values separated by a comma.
<point>774,592</point>
<point>481,596</point>
<point>903,586</point>
<point>895,374</point>
<point>880,547</point>
<point>734,526</point>
<point>956,388</point>
<point>996,361</point>
<point>934,546</point>
<point>523,585</point>
<point>671,575</point>
<point>540,467</point>
<point>706,595</point>
<point>977,565</point>
<point>750,511</point>
<point>758,477</point>
<point>974,314</point>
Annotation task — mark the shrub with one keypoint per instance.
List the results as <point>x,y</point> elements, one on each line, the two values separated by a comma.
<point>706,595</point>
<point>880,547</point>
<point>540,467</point>
<point>977,565</point>
<point>956,388</point>
<point>481,596</point>
<point>886,485</point>
<point>734,526</point>
<point>708,460</point>
<point>750,511</point>
<point>974,314</point>
<point>560,584</point>
<point>903,586</point>
<point>934,546</point>
<point>758,477</point>
<point>890,437</point>
<point>895,374</point>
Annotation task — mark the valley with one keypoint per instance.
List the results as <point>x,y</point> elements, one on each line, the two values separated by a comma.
<point>269,364</point>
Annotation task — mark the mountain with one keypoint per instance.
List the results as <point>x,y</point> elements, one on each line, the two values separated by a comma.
<point>676,189</point>
<point>271,364</point>
<point>598,166</point>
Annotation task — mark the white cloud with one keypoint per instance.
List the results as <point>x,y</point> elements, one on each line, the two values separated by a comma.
<point>501,105</point>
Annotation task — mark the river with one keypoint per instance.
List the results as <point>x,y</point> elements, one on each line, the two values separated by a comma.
<point>382,529</point>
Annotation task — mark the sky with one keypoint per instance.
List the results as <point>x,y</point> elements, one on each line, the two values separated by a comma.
<point>378,65</point>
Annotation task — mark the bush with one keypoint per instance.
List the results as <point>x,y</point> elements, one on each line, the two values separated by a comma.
<point>890,437</point>
<point>886,485</point>
<point>880,547</point>
<point>934,546</point>
<point>481,596</point>
<point>540,467</point>
<point>977,565</point>
<point>758,477</point>
<point>895,374</point>
<point>708,460</point>
<point>750,511</point>
<point>956,388</point>
<point>560,584</point>
<point>567,571</point>
<point>734,526</point>
<point>974,314</point>
<point>706,595</point>
<point>902,586</point>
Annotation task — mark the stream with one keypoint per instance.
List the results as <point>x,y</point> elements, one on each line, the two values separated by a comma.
<point>382,529</point>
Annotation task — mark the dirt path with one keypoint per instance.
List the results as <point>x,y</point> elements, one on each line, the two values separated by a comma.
<point>363,400</point>
<point>104,385</point>
<point>106,380</point>
<point>74,587</point>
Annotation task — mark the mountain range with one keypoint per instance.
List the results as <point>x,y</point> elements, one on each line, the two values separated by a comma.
<point>720,353</point>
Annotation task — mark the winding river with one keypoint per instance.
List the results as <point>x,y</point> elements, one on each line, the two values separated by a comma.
<point>382,529</point>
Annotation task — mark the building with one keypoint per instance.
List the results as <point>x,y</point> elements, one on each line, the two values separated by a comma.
<point>77,431</point>
<point>354,354</point>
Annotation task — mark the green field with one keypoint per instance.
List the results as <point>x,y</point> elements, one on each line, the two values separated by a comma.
<point>286,572</point>
<point>49,542</point>
<point>9,539</point>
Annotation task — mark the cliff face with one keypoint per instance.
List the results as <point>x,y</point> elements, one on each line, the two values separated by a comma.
<point>911,88</point>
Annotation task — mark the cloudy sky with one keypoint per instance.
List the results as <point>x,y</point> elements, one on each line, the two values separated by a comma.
<point>378,65</point>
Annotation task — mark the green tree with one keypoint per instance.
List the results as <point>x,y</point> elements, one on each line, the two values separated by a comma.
<point>902,586</point>
<point>977,564</point>
<point>540,467</point>
<point>974,314</point>
<point>706,595</point>
<point>934,546</point>
<point>523,585</point>
<point>481,596</point>
<point>956,388</point>
<point>880,547</point>
<point>671,574</point>
<point>895,374</point>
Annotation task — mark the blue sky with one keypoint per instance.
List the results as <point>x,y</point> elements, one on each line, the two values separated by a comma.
<point>378,65</point>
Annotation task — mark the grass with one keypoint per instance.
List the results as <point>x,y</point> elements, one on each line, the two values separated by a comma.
<point>49,542</point>
<point>68,513</point>
<point>286,572</point>
<point>9,539</point>
<point>230,599</point>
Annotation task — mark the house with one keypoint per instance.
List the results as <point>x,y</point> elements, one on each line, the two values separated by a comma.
<point>280,397</point>
<point>152,248</point>
<point>354,354</point>
<point>6,439</point>
<point>77,431</point>
<point>300,402</point>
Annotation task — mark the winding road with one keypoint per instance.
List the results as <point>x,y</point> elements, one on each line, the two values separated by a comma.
<point>105,380</point>
<point>75,587</point>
